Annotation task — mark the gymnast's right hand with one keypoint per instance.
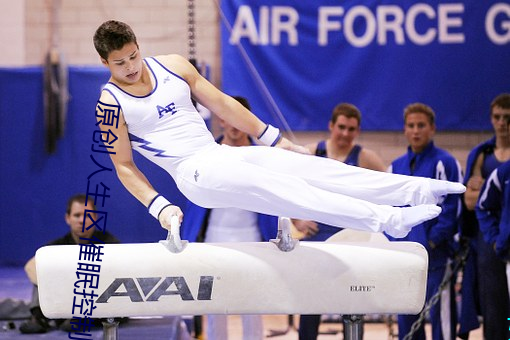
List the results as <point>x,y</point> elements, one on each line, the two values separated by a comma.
<point>167,213</point>
<point>286,144</point>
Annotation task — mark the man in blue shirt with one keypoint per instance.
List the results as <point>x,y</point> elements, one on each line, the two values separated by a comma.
<point>344,127</point>
<point>424,159</point>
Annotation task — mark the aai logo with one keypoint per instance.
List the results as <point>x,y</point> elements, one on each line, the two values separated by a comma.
<point>152,288</point>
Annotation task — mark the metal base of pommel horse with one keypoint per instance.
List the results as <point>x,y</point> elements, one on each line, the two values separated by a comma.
<point>353,327</point>
<point>110,329</point>
<point>352,274</point>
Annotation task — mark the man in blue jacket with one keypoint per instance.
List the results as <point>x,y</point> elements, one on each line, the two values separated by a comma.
<point>424,159</point>
<point>493,215</point>
<point>229,225</point>
<point>484,278</point>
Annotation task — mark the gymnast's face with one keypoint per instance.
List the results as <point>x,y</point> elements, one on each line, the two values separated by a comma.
<point>125,64</point>
<point>419,131</point>
<point>75,221</point>
<point>344,130</point>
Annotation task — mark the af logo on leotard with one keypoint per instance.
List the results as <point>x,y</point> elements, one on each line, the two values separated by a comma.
<point>169,109</point>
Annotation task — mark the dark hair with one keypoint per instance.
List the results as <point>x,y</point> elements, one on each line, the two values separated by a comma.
<point>112,35</point>
<point>420,108</point>
<point>347,110</point>
<point>243,101</point>
<point>80,198</point>
<point>503,101</point>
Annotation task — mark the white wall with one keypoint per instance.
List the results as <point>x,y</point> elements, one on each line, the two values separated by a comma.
<point>12,33</point>
<point>160,25</point>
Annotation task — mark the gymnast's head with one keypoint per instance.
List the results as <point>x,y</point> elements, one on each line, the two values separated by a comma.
<point>116,44</point>
<point>112,36</point>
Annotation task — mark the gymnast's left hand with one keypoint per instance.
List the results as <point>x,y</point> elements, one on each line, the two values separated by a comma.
<point>286,144</point>
<point>167,213</point>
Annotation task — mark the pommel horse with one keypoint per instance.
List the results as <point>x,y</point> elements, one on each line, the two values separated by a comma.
<point>352,277</point>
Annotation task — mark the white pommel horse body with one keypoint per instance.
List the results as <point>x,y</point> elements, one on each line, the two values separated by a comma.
<point>352,277</point>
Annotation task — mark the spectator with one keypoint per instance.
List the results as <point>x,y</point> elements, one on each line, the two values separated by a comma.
<point>81,230</point>
<point>484,277</point>
<point>344,128</point>
<point>424,159</point>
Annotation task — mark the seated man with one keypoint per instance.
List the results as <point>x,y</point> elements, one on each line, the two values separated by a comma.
<point>78,233</point>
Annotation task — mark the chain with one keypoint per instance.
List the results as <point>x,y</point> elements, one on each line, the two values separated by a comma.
<point>458,266</point>
<point>191,30</point>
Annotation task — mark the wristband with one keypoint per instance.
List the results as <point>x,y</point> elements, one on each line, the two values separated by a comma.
<point>270,136</point>
<point>157,205</point>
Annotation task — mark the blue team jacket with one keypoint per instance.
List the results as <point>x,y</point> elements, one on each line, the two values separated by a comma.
<point>436,163</point>
<point>493,210</point>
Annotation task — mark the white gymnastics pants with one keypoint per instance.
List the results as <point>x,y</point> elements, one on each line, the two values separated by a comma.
<point>278,182</point>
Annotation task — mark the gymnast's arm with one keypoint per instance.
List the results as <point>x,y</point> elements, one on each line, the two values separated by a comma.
<point>128,173</point>
<point>224,106</point>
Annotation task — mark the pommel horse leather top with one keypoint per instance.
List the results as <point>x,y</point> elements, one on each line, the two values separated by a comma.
<point>337,276</point>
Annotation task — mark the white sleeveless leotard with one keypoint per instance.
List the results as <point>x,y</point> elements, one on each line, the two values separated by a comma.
<point>163,126</point>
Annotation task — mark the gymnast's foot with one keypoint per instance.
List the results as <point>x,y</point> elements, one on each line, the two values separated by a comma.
<point>442,188</point>
<point>412,216</point>
<point>437,190</point>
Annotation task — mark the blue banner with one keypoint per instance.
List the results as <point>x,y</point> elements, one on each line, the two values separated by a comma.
<point>36,185</point>
<point>295,60</point>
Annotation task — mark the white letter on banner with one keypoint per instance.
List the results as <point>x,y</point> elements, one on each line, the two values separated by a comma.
<point>264,25</point>
<point>350,17</point>
<point>278,25</point>
<point>325,25</point>
<point>412,13</point>
<point>445,22</point>
<point>244,26</point>
<point>386,25</point>
<point>490,18</point>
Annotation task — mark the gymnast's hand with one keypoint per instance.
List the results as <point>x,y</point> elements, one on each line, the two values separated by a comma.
<point>286,144</point>
<point>166,215</point>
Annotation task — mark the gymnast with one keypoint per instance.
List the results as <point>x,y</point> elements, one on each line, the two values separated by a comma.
<point>157,118</point>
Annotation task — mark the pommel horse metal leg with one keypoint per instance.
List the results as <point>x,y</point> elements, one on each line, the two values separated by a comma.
<point>110,329</point>
<point>353,327</point>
